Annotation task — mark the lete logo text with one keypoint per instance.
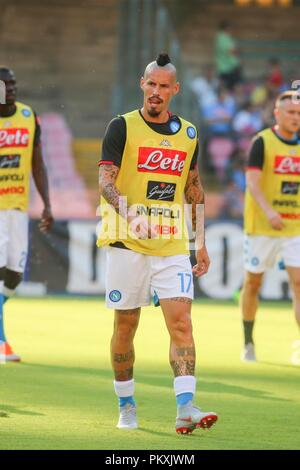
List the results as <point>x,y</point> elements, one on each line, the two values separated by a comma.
<point>14,138</point>
<point>287,165</point>
<point>164,161</point>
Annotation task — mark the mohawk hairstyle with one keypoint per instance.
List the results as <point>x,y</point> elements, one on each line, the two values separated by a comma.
<point>163,59</point>
<point>293,95</point>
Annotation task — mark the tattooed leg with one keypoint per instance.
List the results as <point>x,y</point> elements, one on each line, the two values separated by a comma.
<point>177,313</point>
<point>185,300</point>
<point>182,360</point>
<point>122,348</point>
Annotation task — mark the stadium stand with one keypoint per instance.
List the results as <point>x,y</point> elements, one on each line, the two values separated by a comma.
<point>74,71</point>
<point>64,57</point>
<point>68,191</point>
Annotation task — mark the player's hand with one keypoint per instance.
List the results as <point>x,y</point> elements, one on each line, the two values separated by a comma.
<point>275,220</point>
<point>46,220</point>
<point>140,226</point>
<point>203,262</point>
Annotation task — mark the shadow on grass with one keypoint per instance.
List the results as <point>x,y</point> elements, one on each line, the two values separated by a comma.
<point>195,435</point>
<point>285,366</point>
<point>155,380</point>
<point>7,410</point>
<point>155,433</point>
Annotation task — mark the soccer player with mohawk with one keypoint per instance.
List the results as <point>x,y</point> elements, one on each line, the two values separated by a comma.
<point>148,167</point>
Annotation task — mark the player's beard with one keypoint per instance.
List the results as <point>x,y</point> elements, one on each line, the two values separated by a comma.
<point>153,112</point>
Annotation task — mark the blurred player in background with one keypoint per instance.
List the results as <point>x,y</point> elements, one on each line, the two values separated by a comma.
<point>150,156</point>
<point>20,153</point>
<point>272,210</point>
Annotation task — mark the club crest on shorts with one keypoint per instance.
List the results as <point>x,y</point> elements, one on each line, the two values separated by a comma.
<point>115,295</point>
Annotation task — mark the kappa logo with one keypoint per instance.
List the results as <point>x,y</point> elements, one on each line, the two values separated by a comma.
<point>163,161</point>
<point>165,143</point>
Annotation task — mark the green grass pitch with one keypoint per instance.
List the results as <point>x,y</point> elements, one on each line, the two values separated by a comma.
<point>61,395</point>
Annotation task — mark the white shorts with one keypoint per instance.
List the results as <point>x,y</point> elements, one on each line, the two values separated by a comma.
<point>133,278</point>
<point>13,240</point>
<point>261,253</point>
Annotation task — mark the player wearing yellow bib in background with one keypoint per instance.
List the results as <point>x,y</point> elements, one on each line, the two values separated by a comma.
<point>20,153</point>
<point>150,156</point>
<point>272,210</point>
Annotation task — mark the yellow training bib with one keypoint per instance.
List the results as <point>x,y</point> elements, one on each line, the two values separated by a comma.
<point>280,182</point>
<point>16,145</point>
<point>152,176</point>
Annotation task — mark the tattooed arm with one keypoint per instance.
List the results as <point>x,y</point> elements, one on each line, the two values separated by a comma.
<point>138,224</point>
<point>107,178</point>
<point>194,195</point>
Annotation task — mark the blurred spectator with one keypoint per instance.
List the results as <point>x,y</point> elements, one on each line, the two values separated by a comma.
<point>237,171</point>
<point>220,150</point>
<point>240,94</point>
<point>268,111</point>
<point>275,78</point>
<point>233,206</point>
<point>227,61</point>
<point>259,95</point>
<point>232,112</point>
<point>205,87</point>
<point>248,121</point>
<point>218,115</point>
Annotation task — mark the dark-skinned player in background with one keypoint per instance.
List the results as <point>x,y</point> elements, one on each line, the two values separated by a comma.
<point>20,155</point>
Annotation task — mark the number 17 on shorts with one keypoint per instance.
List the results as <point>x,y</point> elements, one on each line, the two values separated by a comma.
<point>185,282</point>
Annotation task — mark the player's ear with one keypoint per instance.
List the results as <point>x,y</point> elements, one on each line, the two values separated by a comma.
<point>176,88</point>
<point>142,83</point>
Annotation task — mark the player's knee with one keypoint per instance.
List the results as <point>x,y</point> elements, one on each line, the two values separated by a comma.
<point>124,331</point>
<point>253,283</point>
<point>182,330</point>
<point>296,286</point>
<point>12,279</point>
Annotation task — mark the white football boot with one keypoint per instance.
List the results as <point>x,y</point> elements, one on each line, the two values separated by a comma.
<point>189,418</point>
<point>248,353</point>
<point>127,418</point>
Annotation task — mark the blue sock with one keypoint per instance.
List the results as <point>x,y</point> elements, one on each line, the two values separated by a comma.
<point>184,398</point>
<point>2,334</point>
<point>124,400</point>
